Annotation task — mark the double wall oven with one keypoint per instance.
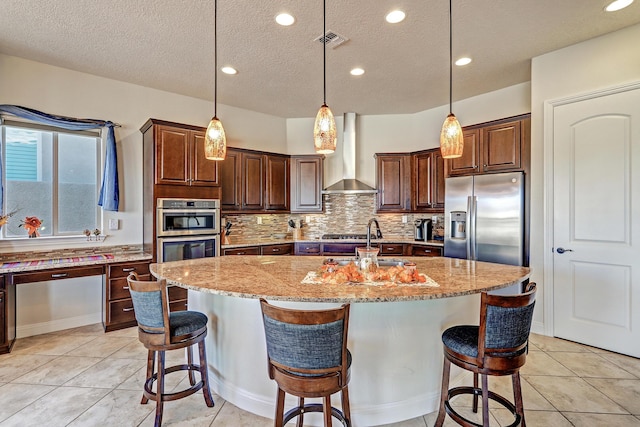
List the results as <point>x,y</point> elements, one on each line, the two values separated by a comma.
<point>187,229</point>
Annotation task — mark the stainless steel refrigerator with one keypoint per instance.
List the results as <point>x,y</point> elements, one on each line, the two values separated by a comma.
<point>484,218</point>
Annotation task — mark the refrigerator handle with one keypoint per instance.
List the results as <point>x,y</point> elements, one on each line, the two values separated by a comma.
<point>471,228</point>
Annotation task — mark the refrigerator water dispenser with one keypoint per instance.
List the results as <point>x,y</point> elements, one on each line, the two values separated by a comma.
<point>458,225</point>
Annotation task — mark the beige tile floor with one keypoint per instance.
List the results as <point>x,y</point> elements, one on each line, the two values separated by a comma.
<point>83,377</point>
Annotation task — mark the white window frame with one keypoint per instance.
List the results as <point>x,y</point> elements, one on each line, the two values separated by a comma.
<point>56,131</point>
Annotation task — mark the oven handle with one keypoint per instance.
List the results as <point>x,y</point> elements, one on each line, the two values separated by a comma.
<point>188,211</point>
<point>190,238</point>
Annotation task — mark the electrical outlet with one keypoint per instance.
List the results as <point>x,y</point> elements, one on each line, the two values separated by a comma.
<point>307,219</point>
<point>113,224</point>
<point>434,219</point>
<point>259,220</point>
<point>404,219</point>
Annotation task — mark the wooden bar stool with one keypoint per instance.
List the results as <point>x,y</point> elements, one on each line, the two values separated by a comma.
<point>497,347</point>
<point>308,357</point>
<point>160,330</point>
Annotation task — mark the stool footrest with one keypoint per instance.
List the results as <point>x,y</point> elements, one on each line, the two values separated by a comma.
<point>314,407</point>
<point>166,397</point>
<point>478,392</point>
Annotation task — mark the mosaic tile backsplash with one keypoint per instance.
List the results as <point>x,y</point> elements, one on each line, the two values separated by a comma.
<point>344,213</point>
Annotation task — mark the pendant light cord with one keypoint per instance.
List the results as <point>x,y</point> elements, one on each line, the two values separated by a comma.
<point>215,60</point>
<point>450,61</point>
<point>324,47</point>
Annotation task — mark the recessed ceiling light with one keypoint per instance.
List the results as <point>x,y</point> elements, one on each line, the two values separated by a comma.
<point>463,61</point>
<point>229,70</point>
<point>357,72</point>
<point>395,16</point>
<point>617,5</point>
<point>285,19</point>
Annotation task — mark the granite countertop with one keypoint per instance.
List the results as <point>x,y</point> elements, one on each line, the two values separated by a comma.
<point>280,278</point>
<point>17,262</point>
<point>242,242</point>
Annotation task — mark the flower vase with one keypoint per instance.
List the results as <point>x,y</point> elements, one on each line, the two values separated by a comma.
<point>33,235</point>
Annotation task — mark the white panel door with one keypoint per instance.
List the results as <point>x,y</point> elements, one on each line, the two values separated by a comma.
<point>596,279</point>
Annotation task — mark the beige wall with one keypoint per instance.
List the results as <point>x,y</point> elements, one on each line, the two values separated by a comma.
<point>65,92</point>
<point>604,62</point>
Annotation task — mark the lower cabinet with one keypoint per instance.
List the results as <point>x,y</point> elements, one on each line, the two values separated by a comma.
<point>391,249</point>
<point>117,312</point>
<point>303,248</point>
<point>248,250</point>
<point>420,250</point>
<point>279,249</point>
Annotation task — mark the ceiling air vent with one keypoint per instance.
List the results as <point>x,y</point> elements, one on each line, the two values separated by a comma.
<point>331,38</point>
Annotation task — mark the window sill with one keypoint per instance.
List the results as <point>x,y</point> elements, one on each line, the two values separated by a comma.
<point>20,243</point>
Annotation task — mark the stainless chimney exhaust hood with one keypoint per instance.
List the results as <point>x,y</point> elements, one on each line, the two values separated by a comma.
<point>349,184</point>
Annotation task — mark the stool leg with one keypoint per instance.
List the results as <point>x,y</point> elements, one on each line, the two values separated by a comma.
<point>300,421</point>
<point>346,408</point>
<point>485,400</point>
<point>278,422</point>
<point>444,391</point>
<point>192,376</point>
<point>204,374</point>
<point>327,411</point>
<point>151,357</point>
<point>475,396</point>
<point>160,390</point>
<point>517,396</point>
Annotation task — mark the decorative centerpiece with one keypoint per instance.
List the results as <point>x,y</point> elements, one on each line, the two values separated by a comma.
<point>32,224</point>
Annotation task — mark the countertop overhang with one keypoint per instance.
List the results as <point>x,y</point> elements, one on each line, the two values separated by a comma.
<point>279,278</point>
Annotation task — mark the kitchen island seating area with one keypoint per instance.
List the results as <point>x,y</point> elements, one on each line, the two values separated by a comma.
<point>498,346</point>
<point>160,330</point>
<point>308,358</point>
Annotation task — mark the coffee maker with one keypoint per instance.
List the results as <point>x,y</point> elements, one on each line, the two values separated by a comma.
<point>423,230</point>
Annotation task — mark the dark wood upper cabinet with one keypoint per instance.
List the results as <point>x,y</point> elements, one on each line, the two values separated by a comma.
<point>498,146</point>
<point>253,181</point>
<point>427,181</point>
<point>393,177</point>
<point>231,181</point>
<point>180,158</point>
<point>306,183</point>
<point>277,182</point>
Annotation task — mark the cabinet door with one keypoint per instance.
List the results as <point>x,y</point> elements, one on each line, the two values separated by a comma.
<point>394,182</point>
<point>231,181</point>
<point>419,250</point>
<point>249,250</point>
<point>253,181</point>
<point>172,156</point>
<point>306,183</point>
<point>308,249</point>
<point>468,163</point>
<point>203,171</point>
<point>501,148</point>
<point>422,181</point>
<point>277,182</point>
<point>280,249</point>
<point>437,180</point>
<point>3,324</point>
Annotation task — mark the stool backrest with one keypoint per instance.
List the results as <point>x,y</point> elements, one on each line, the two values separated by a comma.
<point>151,307</point>
<point>505,323</point>
<point>306,342</point>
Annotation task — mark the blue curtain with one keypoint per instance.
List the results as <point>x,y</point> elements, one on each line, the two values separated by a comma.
<point>109,192</point>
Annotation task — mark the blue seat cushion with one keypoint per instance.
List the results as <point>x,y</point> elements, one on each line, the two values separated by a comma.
<point>186,322</point>
<point>462,339</point>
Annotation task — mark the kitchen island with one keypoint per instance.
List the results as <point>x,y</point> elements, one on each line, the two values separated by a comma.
<point>394,331</point>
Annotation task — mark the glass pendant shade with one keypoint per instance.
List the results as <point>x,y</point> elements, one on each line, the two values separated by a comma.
<point>324,131</point>
<point>451,140</point>
<point>215,141</point>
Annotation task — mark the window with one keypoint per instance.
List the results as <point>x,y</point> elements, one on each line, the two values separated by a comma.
<point>51,174</point>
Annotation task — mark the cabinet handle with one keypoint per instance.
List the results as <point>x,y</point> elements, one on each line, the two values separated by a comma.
<point>239,253</point>
<point>127,309</point>
<point>127,270</point>
<point>275,250</point>
<point>125,287</point>
<point>59,275</point>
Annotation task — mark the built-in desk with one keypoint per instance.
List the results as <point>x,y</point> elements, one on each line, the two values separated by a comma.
<point>117,309</point>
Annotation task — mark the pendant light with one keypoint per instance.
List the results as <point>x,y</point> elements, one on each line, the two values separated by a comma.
<point>451,141</point>
<point>324,130</point>
<point>215,141</point>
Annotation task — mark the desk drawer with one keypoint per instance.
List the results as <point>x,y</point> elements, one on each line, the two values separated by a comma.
<point>123,270</point>
<point>57,274</point>
<point>426,251</point>
<point>119,288</point>
<point>121,312</point>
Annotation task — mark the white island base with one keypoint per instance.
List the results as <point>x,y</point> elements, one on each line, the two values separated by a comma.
<point>396,347</point>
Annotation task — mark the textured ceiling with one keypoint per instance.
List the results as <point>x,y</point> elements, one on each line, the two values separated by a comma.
<point>168,45</point>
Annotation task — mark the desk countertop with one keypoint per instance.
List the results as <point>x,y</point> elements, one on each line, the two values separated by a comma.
<point>280,277</point>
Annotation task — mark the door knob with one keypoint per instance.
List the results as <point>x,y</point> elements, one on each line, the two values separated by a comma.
<point>563,250</point>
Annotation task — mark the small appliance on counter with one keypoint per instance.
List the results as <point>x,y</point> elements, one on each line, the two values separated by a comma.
<point>423,230</point>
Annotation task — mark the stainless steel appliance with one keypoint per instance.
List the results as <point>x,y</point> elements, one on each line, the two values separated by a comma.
<point>484,218</point>
<point>187,229</point>
<point>423,230</point>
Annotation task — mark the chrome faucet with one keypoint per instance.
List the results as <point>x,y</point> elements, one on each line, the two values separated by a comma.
<point>378,232</point>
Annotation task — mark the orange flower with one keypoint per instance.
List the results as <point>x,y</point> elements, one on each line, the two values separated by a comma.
<point>31,224</point>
